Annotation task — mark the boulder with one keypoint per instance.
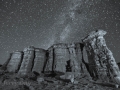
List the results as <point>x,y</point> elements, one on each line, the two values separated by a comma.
<point>69,76</point>
<point>40,79</point>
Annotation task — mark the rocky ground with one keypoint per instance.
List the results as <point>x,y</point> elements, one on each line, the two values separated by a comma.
<point>14,82</point>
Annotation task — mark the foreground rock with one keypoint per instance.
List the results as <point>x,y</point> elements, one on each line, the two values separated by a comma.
<point>52,84</point>
<point>101,61</point>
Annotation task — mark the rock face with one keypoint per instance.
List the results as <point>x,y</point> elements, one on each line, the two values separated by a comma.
<point>15,62</point>
<point>27,63</point>
<point>40,58</point>
<point>64,58</point>
<point>49,60</point>
<point>101,61</point>
<point>61,56</point>
<point>68,58</point>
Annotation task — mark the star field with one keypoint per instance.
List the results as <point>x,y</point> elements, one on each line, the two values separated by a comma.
<point>42,23</point>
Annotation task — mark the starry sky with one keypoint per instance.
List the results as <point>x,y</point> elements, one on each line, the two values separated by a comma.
<point>41,23</point>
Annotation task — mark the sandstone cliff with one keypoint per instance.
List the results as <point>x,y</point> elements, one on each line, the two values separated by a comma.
<point>63,58</point>
<point>27,63</point>
<point>62,55</point>
<point>101,61</point>
<point>15,62</point>
<point>39,60</point>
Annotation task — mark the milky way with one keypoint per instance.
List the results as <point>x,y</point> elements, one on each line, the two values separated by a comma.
<point>41,23</point>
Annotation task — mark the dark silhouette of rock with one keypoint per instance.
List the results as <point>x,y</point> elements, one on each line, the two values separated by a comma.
<point>118,65</point>
<point>101,61</point>
<point>40,79</point>
<point>0,65</point>
<point>15,62</point>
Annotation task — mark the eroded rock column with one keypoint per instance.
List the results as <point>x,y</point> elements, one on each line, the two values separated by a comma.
<point>40,57</point>
<point>74,62</point>
<point>27,63</point>
<point>49,60</point>
<point>101,61</point>
<point>61,56</point>
<point>15,62</point>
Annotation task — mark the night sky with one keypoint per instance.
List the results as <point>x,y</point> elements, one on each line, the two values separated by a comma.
<point>41,23</point>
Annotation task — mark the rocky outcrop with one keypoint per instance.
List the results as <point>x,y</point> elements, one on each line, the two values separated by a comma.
<point>61,56</point>
<point>15,62</point>
<point>101,61</point>
<point>49,60</point>
<point>64,58</point>
<point>39,60</point>
<point>28,60</point>
<point>68,59</point>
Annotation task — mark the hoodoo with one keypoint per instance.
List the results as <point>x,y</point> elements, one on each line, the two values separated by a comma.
<point>101,61</point>
<point>27,62</point>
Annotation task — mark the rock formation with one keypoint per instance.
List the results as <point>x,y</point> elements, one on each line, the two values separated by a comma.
<point>49,60</point>
<point>68,59</point>
<point>101,61</point>
<point>39,60</point>
<point>60,56</point>
<point>15,62</point>
<point>27,63</point>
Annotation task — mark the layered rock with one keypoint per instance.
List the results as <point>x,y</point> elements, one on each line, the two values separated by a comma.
<point>64,58</point>
<point>61,56</point>
<point>28,60</point>
<point>68,59</point>
<point>39,60</point>
<point>101,61</point>
<point>49,60</point>
<point>75,57</point>
<point>15,62</point>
